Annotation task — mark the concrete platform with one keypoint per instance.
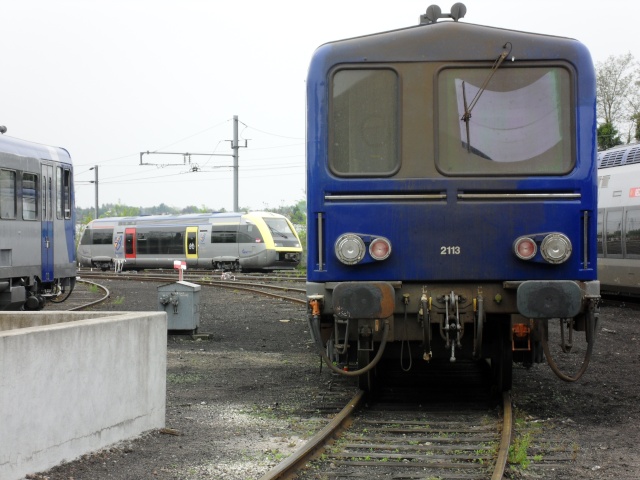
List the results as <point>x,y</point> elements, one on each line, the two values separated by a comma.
<point>76,382</point>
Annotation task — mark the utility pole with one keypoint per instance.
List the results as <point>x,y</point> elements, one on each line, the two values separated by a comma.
<point>96,183</point>
<point>235,148</point>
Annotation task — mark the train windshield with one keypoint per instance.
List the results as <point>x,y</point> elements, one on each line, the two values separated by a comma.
<point>518,121</point>
<point>101,236</point>
<point>281,232</point>
<point>364,122</point>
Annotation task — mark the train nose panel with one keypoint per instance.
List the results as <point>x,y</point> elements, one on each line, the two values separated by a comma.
<point>363,300</point>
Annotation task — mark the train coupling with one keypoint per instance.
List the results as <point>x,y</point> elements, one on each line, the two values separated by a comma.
<point>451,327</point>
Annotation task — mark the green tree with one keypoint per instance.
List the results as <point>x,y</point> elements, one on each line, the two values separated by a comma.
<point>608,136</point>
<point>298,214</point>
<point>618,92</point>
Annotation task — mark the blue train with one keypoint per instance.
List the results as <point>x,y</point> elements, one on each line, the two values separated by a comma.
<point>37,224</point>
<point>451,182</point>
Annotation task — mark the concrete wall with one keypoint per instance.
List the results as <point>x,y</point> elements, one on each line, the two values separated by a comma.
<point>75,382</point>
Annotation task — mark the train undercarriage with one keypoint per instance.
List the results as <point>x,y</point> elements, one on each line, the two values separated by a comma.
<point>357,324</point>
<point>30,293</point>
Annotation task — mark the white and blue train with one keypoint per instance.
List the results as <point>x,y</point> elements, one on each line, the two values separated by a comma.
<point>37,224</point>
<point>619,220</point>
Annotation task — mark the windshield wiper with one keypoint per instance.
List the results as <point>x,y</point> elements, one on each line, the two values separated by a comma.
<point>277,232</point>
<point>467,108</point>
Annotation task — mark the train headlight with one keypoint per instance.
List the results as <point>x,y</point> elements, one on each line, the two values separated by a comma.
<point>525,248</point>
<point>555,248</point>
<point>380,248</point>
<point>350,248</point>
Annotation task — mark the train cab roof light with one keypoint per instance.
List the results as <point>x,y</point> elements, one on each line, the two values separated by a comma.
<point>380,248</point>
<point>434,13</point>
<point>556,248</point>
<point>350,248</point>
<point>525,248</point>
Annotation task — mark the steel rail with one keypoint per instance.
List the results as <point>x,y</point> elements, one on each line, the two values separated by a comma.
<point>245,286</point>
<point>95,302</point>
<point>505,442</point>
<point>313,447</point>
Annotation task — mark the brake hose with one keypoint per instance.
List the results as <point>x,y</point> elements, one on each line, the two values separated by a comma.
<point>587,358</point>
<point>315,329</point>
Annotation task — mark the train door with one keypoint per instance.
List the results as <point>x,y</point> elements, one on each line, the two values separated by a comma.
<point>46,205</point>
<point>191,245</point>
<point>129,243</point>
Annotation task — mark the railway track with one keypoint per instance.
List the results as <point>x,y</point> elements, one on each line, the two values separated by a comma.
<point>390,437</point>
<point>194,274</point>
<point>376,442</point>
<point>276,287</point>
<point>84,295</point>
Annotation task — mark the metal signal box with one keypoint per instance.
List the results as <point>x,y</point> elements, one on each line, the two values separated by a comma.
<point>181,301</point>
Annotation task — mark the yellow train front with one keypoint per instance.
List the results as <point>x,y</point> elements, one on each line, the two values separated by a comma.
<point>451,190</point>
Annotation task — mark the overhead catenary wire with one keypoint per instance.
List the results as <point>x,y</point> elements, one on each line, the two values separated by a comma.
<point>208,170</point>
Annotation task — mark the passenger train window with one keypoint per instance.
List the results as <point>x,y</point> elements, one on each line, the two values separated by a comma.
<point>613,232</point>
<point>224,234</point>
<point>520,124</point>
<point>632,232</point>
<point>103,236</point>
<point>159,242</point>
<point>249,234</point>
<point>63,195</point>
<point>600,232</point>
<point>59,206</point>
<point>29,196</point>
<point>66,185</point>
<point>7,194</point>
<point>363,132</point>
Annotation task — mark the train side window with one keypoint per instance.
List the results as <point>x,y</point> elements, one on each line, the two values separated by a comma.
<point>59,206</point>
<point>157,242</point>
<point>66,184</point>
<point>86,237</point>
<point>600,233</point>
<point>63,193</point>
<point>7,194</point>
<point>632,232</point>
<point>103,236</point>
<point>363,122</point>
<point>29,196</point>
<point>613,233</point>
<point>224,234</point>
<point>249,234</point>
<point>141,244</point>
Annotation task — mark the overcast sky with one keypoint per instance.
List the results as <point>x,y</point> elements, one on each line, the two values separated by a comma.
<point>110,79</point>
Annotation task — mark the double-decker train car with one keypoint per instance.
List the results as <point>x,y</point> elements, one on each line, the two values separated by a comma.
<point>451,192</point>
<point>37,224</point>
<point>619,220</point>
<point>254,241</point>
